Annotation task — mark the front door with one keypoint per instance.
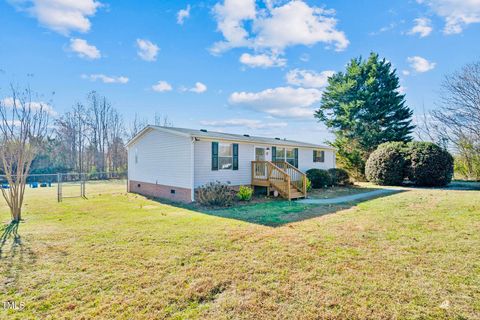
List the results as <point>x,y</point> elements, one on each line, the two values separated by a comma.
<point>260,168</point>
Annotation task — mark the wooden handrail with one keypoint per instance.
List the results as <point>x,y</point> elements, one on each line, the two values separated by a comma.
<point>279,175</point>
<point>288,164</point>
<point>299,178</point>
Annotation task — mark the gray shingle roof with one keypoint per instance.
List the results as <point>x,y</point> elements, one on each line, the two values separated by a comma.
<point>243,138</point>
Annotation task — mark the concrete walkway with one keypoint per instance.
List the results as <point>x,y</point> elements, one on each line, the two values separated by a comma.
<point>353,197</point>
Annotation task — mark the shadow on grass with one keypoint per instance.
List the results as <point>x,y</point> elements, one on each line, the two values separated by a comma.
<point>275,213</point>
<point>18,257</point>
<point>10,231</point>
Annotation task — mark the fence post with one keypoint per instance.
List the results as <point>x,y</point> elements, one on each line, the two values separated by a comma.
<point>59,187</point>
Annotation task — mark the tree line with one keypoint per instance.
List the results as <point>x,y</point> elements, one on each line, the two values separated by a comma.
<point>89,138</point>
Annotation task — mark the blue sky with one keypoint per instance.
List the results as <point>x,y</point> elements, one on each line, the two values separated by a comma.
<point>236,66</point>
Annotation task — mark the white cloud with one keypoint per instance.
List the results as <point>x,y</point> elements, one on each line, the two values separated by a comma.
<point>297,23</point>
<point>62,16</point>
<point>423,27</point>
<point>457,13</point>
<point>262,60</point>
<point>406,72</point>
<point>248,123</point>
<point>9,102</point>
<point>420,64</point>
<point>105,78</point>
<point>198,88</point>
<point>280,102</point>
<point>183,14</point>
<point>384,29</point>
<point>308,78</point>
<point>162,86</point>
<point>83,49</point>
<point>275,27</point>
<point>231,16</point>
<point>147,50</point>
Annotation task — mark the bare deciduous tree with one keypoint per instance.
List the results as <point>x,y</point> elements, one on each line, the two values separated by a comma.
<point>23,127</point>
<point>162,120</point>
<point>136,126</point>
<point>458,118</point>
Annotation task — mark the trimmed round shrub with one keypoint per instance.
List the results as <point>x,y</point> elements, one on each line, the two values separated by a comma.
<point>319,178</point>
<point>386,165</point>
<point>340,177</point>
<point>429,165</point>
<point>215,194</point>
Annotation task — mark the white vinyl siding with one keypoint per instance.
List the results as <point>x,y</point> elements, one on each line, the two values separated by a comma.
<point>203,165</point>
<point>161,158</point>
<point>305,160</point>
<point>171,159</point>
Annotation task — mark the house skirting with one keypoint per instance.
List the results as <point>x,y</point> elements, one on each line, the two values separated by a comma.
<point>160,191</point>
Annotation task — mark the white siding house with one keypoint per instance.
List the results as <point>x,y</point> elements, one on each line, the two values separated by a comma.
<point>171,163</point>
<point>203,165</point>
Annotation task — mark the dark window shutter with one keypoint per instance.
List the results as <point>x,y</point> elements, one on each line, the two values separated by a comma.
<point>235,156</point>
<point>214,155</point>
<point>296,157</point>
<point>322,156</point>
<point>314,155</point>
<point>274,154</point>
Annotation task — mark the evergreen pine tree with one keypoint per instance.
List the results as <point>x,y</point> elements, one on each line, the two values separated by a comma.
<point>364,108</point>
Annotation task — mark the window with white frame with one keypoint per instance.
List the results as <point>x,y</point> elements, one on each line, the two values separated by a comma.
<point>318,156</point>
<point>280,156</point>
<point>286,154</point>
<point>225,156</point>
<point>290,156</point>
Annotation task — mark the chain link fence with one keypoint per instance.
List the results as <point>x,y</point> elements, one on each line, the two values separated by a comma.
<point>73,185</point>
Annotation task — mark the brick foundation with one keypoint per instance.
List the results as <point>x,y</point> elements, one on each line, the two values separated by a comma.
<point>160,191</point>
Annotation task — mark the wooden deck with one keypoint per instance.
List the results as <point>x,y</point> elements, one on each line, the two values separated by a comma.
<point>281,176</point>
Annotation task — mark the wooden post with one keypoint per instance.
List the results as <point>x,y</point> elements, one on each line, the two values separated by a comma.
<point>253,170</point>
<point>288,188</point>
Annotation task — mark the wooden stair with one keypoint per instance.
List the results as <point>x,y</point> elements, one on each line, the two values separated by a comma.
<point>294,192</point>
<point>281,176</point>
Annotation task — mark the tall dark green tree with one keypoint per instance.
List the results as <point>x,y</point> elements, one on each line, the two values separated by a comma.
<point>364,108</point>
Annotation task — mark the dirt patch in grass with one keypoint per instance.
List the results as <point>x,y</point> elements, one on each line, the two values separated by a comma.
<point>340,191</point>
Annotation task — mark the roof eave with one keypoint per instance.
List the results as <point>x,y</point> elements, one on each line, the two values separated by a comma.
<point>277,143</point>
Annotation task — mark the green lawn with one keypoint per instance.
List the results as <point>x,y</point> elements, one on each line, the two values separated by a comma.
<point>411,255</point>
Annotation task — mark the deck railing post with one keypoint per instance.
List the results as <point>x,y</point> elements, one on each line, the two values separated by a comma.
<point>253,170</point>
<point>288,187</point>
